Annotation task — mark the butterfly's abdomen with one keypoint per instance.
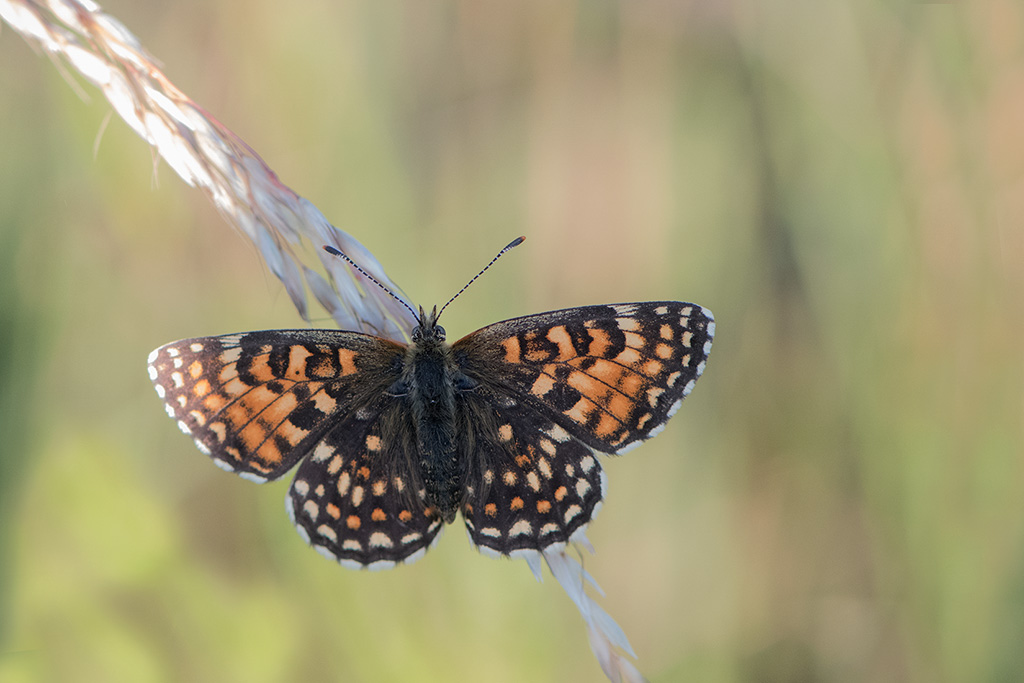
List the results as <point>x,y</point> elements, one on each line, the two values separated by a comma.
<point>432,397</point>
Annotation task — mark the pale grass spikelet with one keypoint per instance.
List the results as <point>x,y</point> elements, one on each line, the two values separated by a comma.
<point>607,639</point>
<point>250,196</point>
<point>209,156</point>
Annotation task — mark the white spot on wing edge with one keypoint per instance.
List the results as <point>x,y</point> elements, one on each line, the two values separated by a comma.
<point>350,564</point>
<point>323,550</point>
<point>160,391</point>
<point>675,407</point>
<point>488,551</point>
<point>153,356</point>
<point>624,309</point>
<point>628,447</point>
<point>380,564</point>
<point>153,374</point>
<point>415,556</point>
<point>223,465</point>
<point>253,477</point>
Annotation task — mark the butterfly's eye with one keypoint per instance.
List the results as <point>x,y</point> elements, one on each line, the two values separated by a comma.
<point>417,333</point>
<point>439,332</point>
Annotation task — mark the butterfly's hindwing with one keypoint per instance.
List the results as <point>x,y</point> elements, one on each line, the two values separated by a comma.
<point>257,402</point>
<point>611,375</point>
<point>356,498</point>
<point>532,485</point>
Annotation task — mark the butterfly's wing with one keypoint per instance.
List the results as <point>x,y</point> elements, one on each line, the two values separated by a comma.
<point>257,403</point>
<point>562,386</point>
<point>357,500</point>
<point>531,484</point>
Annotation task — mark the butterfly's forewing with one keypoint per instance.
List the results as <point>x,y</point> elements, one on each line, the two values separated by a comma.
<point>610,375</point>
<point>257,402</point>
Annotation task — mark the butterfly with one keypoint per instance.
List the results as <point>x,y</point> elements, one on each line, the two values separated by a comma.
<point>394,440</point>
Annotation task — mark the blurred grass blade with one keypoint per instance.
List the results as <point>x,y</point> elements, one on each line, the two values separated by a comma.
<point>607,639</point>
<point>209,156</point>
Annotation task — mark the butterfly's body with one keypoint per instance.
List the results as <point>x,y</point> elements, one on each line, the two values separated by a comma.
<point>430,386</point>
<point>394,440</point>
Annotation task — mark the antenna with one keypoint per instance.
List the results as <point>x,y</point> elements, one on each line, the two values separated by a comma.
<point>337,252</point>
<point>514,243</point>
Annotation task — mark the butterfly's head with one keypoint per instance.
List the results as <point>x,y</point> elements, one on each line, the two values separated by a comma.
<point>427,330</point>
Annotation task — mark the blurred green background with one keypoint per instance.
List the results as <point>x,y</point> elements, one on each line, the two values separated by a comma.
<point>842,183</point>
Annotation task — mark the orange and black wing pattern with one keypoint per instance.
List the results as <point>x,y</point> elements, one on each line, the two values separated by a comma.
<point>538,397</point>
<point>257,402</point>
<point>552,390</point>
<point>611,375</point>
<point>532,486</point>
<point>357,500</point>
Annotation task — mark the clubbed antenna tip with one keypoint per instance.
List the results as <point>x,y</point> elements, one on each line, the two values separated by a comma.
<point>337,252</point>
<point>514,243</point>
